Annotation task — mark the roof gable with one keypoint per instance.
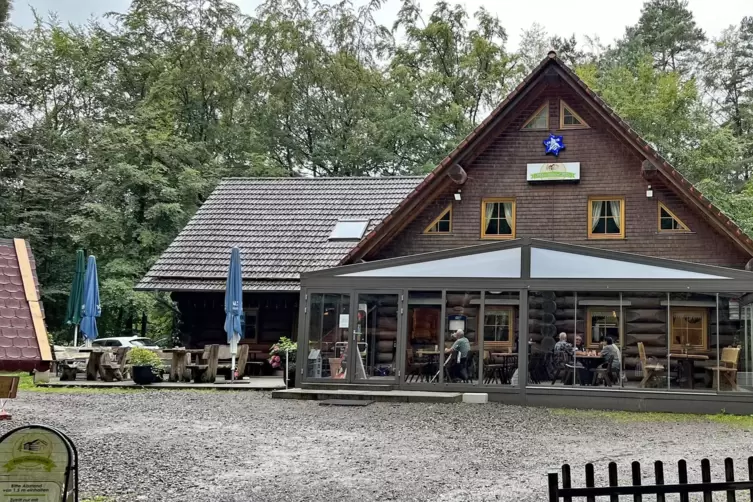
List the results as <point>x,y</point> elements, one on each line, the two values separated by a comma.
<point>23,336</point>
<point>550,68</point>
<point>281,225</point>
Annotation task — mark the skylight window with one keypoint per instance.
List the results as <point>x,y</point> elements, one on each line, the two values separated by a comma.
<point>348,230</point>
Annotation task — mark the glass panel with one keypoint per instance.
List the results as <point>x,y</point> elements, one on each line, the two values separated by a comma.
<point>422,356</point>
<point>732,371</point>
<point>328,336</point>
<point>550,264</point>
<point>692,342</point>
<point>349,229</point>
<point>500,340</point>
<point>540,121</point>
<point>554,327</point>
<point>461,337</point>
<point>376,332</point>
<point>606,216</point>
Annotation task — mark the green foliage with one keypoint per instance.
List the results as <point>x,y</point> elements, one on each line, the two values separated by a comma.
<point>139,356</point>
<point>113,134</point>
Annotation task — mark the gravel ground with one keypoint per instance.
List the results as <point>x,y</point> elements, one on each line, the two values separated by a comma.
<point>244,446</point>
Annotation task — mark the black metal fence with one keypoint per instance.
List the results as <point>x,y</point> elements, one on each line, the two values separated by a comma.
<point>637,489</point>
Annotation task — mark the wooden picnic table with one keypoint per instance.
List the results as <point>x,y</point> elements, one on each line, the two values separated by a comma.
<point>180,361</point>
<point>94,364</point>
<point>686,362</point>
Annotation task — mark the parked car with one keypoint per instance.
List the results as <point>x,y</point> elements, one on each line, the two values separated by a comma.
<point>125,341</point>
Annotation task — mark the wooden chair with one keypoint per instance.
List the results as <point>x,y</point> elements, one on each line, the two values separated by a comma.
<point>604,373</point>
<point>650,371</point>
<point>493,372</point>
<point>728,368</point>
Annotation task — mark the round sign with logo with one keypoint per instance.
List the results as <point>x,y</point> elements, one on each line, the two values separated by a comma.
<point>37,464</point>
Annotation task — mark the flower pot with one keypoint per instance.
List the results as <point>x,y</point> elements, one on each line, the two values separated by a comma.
<point>142,375</point>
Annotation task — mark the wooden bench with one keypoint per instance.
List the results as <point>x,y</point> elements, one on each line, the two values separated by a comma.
<point>114,367</point>
<point>728,368</point>
<point>225,360</point>
<point>206,370</point>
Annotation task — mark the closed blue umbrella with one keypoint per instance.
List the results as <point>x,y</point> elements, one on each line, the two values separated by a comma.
<point>234,305</point>
<point>92,307</point>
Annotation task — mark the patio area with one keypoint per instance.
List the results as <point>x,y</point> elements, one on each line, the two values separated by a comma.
<point>245,446</point>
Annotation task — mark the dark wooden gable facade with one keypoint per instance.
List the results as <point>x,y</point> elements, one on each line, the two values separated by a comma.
<point>495,159</point>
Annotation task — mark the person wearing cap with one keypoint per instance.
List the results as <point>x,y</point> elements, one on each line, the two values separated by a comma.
<point>463,347</point>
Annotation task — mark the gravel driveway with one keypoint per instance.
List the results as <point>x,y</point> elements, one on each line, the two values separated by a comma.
<point>244,446</point>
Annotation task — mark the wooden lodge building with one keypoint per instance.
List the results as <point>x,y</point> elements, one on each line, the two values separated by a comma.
<point>504,240</point>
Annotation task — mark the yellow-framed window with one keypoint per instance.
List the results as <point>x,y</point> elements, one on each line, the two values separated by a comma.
<point>569,119</point>
<point>602,322</point>
<point>606,217</point>
<point>442,224</point>
<point>498,218</point>
<point>689,328</point>
<point>498,328</point>
<point>669,222</point>
<point>539,121</point>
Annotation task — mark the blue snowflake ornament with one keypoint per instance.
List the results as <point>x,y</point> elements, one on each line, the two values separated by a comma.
<point>554,144</point>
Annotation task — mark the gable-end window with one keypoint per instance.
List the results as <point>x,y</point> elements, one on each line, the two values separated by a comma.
<point>606,218</point>
<point>498,219</point>
<point>442,224</point>
<point>689,329</point>
<point>346,230</point>
<point>569,119</point>
<point>539,120</point>
<point>602,322</point>
<point>669,222</point>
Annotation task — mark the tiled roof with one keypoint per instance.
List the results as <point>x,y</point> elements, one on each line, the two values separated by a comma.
<point>19,349</point>
<point>281,225</point>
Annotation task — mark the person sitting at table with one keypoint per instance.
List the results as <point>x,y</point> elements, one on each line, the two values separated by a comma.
<point>563,345</point>
<point>461,346</point>
<point>579,344</point>
<point>610,349</point>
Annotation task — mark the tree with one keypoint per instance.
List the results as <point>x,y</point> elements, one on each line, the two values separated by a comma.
<point>668,31</point>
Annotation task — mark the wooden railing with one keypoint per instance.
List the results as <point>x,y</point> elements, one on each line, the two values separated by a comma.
<point>637,489</point>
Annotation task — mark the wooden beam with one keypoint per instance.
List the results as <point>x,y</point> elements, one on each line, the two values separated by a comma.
<point>30,289</point>
<point>457,174</point>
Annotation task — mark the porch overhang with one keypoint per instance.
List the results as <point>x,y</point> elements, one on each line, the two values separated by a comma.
<point>534,264</point>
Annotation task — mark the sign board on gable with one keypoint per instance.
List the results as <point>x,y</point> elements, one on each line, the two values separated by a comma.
<point>553,171</point>
<point>38,464</point>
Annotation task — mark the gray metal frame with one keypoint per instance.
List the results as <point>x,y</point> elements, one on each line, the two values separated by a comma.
<point>739,283</point>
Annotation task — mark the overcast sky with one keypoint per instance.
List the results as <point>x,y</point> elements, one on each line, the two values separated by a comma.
<point>605,18</point>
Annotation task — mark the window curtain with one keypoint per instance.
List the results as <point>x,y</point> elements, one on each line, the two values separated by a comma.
<point>614,205</point>
<point>508,213</point>
<point>596,206</point>
<point>489,213</point>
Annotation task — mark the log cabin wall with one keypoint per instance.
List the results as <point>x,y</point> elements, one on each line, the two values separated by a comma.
<point>203,317</point>
<point>644,319</point>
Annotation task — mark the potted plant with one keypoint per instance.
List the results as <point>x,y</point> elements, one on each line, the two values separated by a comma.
<point>277,358</point>
<point>145,365</point>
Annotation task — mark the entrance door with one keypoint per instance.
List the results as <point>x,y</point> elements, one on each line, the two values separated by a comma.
<point>327,337</point>
<point>375,333</point>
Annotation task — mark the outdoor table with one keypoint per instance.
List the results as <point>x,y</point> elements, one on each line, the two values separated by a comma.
<point>686,363</point>
<point>178,372</point>
<point>589,363</point>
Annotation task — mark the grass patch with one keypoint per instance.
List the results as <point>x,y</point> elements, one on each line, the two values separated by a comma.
<point>744,421</point>
<point>26,384</point>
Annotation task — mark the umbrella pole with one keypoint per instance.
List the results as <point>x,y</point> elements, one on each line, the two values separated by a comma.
<point>75,335</point>
<point>232,367</point>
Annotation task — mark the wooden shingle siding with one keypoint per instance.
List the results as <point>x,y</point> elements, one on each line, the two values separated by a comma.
<point>559,211</point>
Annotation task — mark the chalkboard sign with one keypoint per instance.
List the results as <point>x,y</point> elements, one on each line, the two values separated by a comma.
<point>38,464</point>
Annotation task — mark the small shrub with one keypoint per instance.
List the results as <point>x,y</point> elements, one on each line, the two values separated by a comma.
<point>278,350</point>
<point>139,356</point>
